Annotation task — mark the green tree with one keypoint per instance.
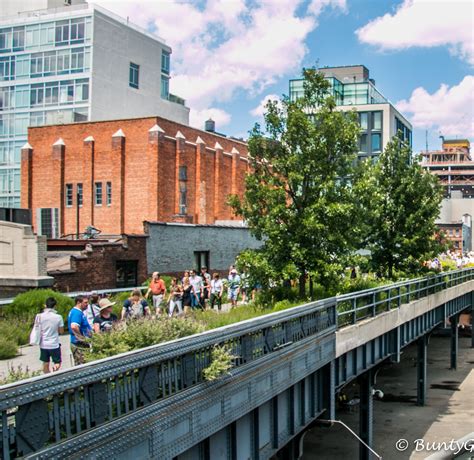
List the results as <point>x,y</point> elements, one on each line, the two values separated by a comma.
<point>402,202</point>
<point>298,198</point>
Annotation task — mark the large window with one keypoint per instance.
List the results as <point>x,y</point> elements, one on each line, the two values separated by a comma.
<point>133,75</point>
<point>98,193</point>
<point>376,121</point>
<point>80,194</point>
<point>48,222</point>
<point>183,189</point>
<point>65,92</point>
<point>165,62</point>
<point>7,68</point>
<point>108,192</point>
<point>376,142</point>
<point>165,87</point>
<point>364,120</point>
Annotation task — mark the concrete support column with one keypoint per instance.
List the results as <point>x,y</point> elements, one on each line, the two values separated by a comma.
<point>366,414</point>
<point>454,341</point>
<point>155,139</point>
<point>59,151</point>
<point>422,344</point>
<point>27,177</point>
<point>180,144</point>
<point>118,151</point>
<point>217,179</point>
<point>89,177</point>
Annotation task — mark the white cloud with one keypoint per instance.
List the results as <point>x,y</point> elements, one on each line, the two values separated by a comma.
<point>449,109</point>
<point>425,23</point>
<point>260,109</point>
<point>221,47</point>
<point>198,117</point>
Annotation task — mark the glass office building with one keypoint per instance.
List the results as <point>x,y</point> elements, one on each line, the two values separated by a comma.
<point>71,64</point>
<point>352,89</point>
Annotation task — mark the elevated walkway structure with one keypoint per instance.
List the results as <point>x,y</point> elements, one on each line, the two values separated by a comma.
<point>154,402</point>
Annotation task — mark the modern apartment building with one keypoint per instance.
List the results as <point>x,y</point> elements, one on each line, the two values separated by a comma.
<point>353,89</point>
<point>74,62</point>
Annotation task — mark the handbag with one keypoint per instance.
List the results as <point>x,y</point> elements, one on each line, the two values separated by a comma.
<point>35,335</point>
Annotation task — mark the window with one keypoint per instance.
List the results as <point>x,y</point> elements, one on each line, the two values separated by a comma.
<point>77,30</point>
<point>165,62</point>
<point>19,39</point>
<point>364,120</point>
<point>377,121</point>
<point>5,40</point>
<point>108,192</point>
<point>183,173</point>
<point>68,195</point>
<point>48,222</point>
<point>79,193</point>
<point>133,76</point>
<point>376,142</point>
<point>126,273</point>
<point>22,96</point>
<point>7,68</point>
<point>183,191</point>
<point>22,65</point>
<point>98,193</point>
<point>201,259</point>
<point>165,87</point>
<point>363,143</point>
<point>62,33</point>
<point>82,90</point>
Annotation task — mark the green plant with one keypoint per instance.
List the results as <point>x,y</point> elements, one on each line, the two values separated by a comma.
<point>32,302</point>
<point>17,373</point>
<point>221,362</point>
<point>8,348</point>
<point>16,329</point>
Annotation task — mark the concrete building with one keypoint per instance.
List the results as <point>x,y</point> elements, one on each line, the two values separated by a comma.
<point>353,89</point>
<point>74,62</point>
<point>454,167</point>
<point>22,259</point>
<point>114,175</point>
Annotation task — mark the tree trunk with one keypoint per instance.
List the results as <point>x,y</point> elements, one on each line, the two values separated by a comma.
<point>302,284</point>
<point>311,288</point>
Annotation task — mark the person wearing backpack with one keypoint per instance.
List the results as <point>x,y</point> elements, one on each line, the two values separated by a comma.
<point>135,307</point>
<point>49,325</point>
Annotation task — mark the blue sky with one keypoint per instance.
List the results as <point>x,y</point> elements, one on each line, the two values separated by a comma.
<point>229,56</point>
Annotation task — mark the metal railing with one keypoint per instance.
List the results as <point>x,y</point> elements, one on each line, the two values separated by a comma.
<point>49,409</point>
<point>357,306</point>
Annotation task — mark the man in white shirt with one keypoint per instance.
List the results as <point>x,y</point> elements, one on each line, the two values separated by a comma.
<point>51,324</point>
<point>217,289</point>
<point>196,283</point>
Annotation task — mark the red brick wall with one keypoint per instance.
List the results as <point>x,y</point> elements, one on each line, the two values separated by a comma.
<point>97,269</point>
<point>150,173</point>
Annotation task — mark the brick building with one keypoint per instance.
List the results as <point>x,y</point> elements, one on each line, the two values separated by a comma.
<point>114,175</point>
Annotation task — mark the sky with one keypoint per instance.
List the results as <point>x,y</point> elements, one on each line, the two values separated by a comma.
<point>230,57</point>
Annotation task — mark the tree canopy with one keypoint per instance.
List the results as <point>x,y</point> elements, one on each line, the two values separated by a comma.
<point>299,199</point>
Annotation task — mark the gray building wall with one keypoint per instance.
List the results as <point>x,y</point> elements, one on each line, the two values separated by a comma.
<point>114,47</point>
<point>171,247</point>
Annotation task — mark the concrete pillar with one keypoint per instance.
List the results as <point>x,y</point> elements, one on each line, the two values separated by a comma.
<point>366,414</point>
<point>422,344</point>
<point>59,151</point>
<point>27,177</point>
<point>217,179</point>
<point>89,160</point>
<point>454,341</point>
<point>180,145</point>
<point>155,143</point>
<point>118,151</point>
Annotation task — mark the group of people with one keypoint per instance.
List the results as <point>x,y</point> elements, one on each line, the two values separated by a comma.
<point>94,315</point>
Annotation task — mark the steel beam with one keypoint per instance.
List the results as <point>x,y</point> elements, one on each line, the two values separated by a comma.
<point>422,344</point>
<point>366,414</point>
<point>454,341</point>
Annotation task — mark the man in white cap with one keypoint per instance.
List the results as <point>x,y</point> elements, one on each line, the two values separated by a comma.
<point>104,321</point>
<point>233,285</point>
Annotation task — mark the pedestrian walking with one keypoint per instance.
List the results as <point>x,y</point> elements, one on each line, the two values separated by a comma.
<point>188,295</point>
<point>51,324</point>
<point>135,306</point>
<point>79,329</point>
<point>233,287</point>
<point>104,321</point>
<point>175,298</point>
<point>93,309</point>
<point>158,290</point>
<point>196,283</point>
<point>217,289</point>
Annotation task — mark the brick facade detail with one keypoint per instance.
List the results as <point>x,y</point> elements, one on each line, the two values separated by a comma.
<point>141,159</point>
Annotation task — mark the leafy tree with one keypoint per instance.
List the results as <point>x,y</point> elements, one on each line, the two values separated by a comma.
<point>298,200</point>
<point>402,202</point>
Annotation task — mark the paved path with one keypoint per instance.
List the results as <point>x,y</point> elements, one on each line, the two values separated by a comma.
<point>448,414</point>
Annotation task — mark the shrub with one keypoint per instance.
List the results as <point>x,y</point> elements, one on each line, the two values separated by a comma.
<point>16,329</point>
<point>32,302</point>
<point>8,348</point>
<point>221,362</point>
<point>15,374</point>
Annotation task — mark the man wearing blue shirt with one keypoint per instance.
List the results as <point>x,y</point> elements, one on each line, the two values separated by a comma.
<point>79,329</point>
